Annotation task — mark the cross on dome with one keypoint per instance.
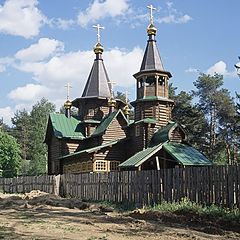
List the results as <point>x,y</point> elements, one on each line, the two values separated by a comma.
<point>112,83</point>
<point>126,96</point>
<point>68,86</point>
<point>98,27</point>
<point>151,12</point>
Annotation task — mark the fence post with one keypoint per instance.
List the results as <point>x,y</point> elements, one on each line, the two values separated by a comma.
<point>56,184</point>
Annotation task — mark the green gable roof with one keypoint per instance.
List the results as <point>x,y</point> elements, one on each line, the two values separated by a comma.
<point>90,150</point>
<point>64,127</point>
<point>140,157</point>
<point>162,135</point>
<point>106,122</point>
<point>185,154</point>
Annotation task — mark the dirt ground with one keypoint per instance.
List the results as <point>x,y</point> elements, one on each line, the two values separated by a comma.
<point>38,215</point>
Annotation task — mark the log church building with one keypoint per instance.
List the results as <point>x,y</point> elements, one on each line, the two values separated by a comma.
<point>102,138</point>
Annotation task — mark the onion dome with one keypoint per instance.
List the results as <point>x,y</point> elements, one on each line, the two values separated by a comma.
<point>98,49</point>
<point>151,29</point>
<point>67,104</point>
<point>126,110</point>
<point>112,102</point>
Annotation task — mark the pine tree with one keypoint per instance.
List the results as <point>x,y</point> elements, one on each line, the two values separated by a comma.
<point>191,117</point>
<point>207,91</point>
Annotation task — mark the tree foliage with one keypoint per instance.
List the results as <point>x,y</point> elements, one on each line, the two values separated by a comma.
<point>29,130</point>
<point>4,127</point>
<point>9,155</point>
<point>190,116</point>
<point>211,117</point>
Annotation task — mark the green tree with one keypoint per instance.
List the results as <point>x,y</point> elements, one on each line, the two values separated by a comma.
<point>21,131</point>
<point>38,122</point>
<point>207,92</point>
<point>9,155</point>
<point>226,120</point>
<point>191,117</point>
<point>218,107</point>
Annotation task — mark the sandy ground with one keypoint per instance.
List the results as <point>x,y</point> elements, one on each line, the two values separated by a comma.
<point>43,216</point>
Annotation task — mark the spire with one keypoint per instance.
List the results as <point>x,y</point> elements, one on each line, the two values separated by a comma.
<point>68,103</point>
<point>98,83</point>
<point>126,109</point>
<point>111,101</point>
<point>151,59</point>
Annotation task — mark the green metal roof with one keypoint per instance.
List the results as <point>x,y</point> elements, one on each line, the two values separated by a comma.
<point>140,157</point>
<point>147,120</point>
<point>91,121</point>
<point>90,150</point>
<point>64,127</point>
<point>106,122</point>
<point>186,154</point>
<point>151,98</point>
<point>162,135</point>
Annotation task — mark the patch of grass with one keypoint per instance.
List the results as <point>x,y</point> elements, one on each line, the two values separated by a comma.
<point>185,206</point>
<point>121,206</point>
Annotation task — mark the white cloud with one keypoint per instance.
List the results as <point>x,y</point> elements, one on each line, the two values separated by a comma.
<point>220,68</point>
<point>184,19</point>
<point>60,23</point>
<point>192,70</point>
<point>74,67</point>
<point>173,16</point>
<point>130,61</point>
<point>21,18</point>
<point>4,62</point>
<point>30,92</point>
<point>6,113</point>
<point>101,9</point>
<point>43,49</point>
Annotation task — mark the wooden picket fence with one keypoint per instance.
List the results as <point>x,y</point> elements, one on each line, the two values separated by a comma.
<point>25,184</point>
<point>219,185</point>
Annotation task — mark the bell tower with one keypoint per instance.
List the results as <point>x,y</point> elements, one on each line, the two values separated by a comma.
<point>152,104</point>
<point>152,83</point>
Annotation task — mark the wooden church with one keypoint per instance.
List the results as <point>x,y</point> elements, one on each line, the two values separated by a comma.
<point>102,138</point>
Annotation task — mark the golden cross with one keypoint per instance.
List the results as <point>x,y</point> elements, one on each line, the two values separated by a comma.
<point>68,86</point>
<point>151,12</point>
<point>98,27</point>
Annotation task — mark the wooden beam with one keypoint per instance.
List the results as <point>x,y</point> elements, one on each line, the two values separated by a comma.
<point>157,162</point>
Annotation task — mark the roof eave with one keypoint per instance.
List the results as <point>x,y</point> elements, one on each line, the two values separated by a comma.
<point>151,71</point>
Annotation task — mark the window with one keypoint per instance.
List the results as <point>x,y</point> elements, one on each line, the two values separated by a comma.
<point>114,165</point>
<point>78,167</point>
<point>73,167</point>
<point>151,80</point>
<point>101,165</point>
<point>89,166</point>
<point>84,167</point>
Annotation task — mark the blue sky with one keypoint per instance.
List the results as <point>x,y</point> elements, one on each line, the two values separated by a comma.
<point>46,44</point>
